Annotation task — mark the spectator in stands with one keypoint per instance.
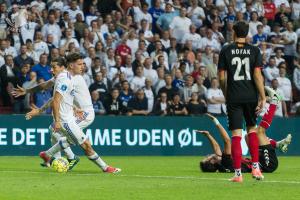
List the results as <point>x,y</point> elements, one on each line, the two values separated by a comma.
<point>260,36</point>
<point>149,94</point>
<point>113,104</point>
<point>180,25</point>
<point>278,56</point>
<point>139,104</point>
<point>177,108</point>
<point>127,68</point>
<point>149,72</point>
<point>196,106</point>
<point>41,97</point>
<point>215,98</point>
<point>271,71</point>
<point>290,39</point>
<point>281,109</point>
<point>164,20</point>
<point>40,47</point>
<point>199,87</point>
<point>296,81</point>
<point>8,75</point>
<point>23,74</point>
<point>42,69</point>
<point>23,58</point>
<point>168,88</point>
<point>99,86</point>
<point>52,28</point>
<point>97,104</point>
<point>138,80</point>
<point>178,81</point>
<point>285,85</point>
<point>126,94</point>
<point>161,105</point>
<point>186,91</point>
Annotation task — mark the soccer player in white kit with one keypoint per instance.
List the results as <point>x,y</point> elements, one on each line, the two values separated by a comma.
<point>83,100</point>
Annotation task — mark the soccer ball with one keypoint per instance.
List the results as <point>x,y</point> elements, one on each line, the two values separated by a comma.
<point>60,165</point>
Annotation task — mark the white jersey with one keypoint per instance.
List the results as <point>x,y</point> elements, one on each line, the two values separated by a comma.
<point>82,94</point>
<point>64,86</point>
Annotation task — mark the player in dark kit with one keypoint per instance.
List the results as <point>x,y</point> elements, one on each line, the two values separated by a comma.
<point>245,96</point>
<point>221,161</point>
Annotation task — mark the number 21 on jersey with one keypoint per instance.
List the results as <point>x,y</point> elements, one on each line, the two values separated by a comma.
<point>241,64</point>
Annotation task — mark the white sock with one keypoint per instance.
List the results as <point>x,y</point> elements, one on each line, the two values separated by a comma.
<point>98,161</point>
<point>237,172</point>
<point>69,153</point>
<point>255,165</point>
<point>54,139</point>
<point>54,150</point>
<point>60,145</point>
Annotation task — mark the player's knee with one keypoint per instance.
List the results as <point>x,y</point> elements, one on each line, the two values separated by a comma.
<point>63,142</point>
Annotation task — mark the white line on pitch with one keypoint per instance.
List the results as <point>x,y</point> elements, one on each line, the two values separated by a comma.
<point>148,176</point>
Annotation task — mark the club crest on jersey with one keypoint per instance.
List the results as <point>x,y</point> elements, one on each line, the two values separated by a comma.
<point>63,88</point>
<point>240,51</point>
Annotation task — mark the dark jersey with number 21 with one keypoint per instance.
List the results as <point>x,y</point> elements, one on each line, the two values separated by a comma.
<point>240,62</point>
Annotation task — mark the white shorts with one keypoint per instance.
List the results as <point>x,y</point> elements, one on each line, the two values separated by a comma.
<point>73,132</point>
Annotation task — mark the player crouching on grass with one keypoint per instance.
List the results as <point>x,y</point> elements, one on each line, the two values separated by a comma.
<point>222,161</point>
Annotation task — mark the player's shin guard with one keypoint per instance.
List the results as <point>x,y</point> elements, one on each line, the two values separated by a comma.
<point>236,152</point>
<point>253,146</point>
<point>98,161</point>
<point>268,116</point>
<point>61,144</point>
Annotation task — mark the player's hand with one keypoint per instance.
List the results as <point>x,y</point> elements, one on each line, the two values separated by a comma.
<point>202,132</point>
<point>19,91</point>
<point>35,111</point>
<point>210,116</point>
<point>260,106</point>
<point>57,126</point>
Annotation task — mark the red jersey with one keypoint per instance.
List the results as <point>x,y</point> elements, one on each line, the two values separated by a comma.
<point>270,10</point>
<point>123,50</point>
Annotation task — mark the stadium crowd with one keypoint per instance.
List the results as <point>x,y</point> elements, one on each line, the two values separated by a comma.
<point>146,57</point>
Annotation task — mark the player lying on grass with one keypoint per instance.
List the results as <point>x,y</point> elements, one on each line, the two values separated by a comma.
<point>222,161</point>
<point>81,98</point>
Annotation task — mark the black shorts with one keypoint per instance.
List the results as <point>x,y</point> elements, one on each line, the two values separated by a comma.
<point>267,158</point>
<point>237,111</point>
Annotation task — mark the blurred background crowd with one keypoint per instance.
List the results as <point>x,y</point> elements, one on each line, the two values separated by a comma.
<point>146,57</point>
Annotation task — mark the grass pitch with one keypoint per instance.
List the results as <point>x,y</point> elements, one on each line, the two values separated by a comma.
<point>21,178</point>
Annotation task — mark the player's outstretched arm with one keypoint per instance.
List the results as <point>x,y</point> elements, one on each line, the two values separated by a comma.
<point>20,91</point>
<point>213,142</point>
<point>223,133</point>
<point>259,82</point>
<point>35,111</point>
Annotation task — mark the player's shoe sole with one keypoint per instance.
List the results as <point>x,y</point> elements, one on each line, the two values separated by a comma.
<point>73,162</point>
<point>256,173</point>
<point>112,170</point>
<point>273,94</point>
<point>236,179</point>
<point>283,144</point>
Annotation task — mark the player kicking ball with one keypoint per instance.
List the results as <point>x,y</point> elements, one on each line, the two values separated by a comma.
<point>245,96</point>
<point>81,98</point>
<point>222,161</point>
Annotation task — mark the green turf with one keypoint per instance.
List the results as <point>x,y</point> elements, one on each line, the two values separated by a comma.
<point>159,178</point>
